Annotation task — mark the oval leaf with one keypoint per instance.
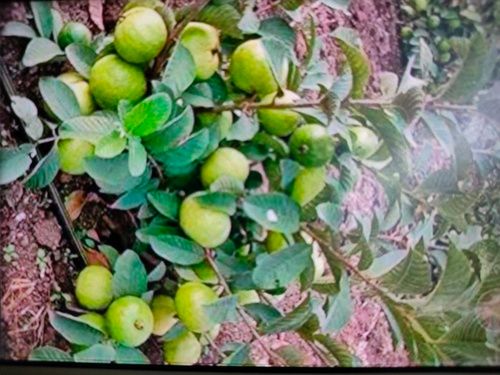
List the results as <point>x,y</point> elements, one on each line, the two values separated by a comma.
<point>40,50</point>
<point>45,171</point>
<point>130,277</point>
<point>81,57</point>
<point>59,98</point>
<point>149,116</point>
<point>177,250</point>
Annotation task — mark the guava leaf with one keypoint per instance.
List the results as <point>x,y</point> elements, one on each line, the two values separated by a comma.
<point>111,254</point>
<point>126,355</point>
<point>49,354</point>
<point>218,201</point>
<point>187,152</point>
<point>292,355</point>
<point>43,17</point>
<point>177,250</point>
<point>15,28</point>
<point>130,277</point>
<point>249,23</point>
<point>45,171</point>
<point>343,84</point>
<point>223,17</point>
<point>57,23</point>
<point>223,310</point>
<point>262,312</point>
<point>330,214</point>
<point>291,321</point>
<point>337,4</point>
<point>149,116</point>
<point>166,203</point>
<point>74,330</point>
<point>340,307</point>
<point>274,211</point>
<point>14,162</point>
<point>439,128</point>
<point>137,157</point>
<point>279,269</point>
<point>239,357</point>
<point>243,129</point>
<point>59,98</point>
<point>111,145</point>
<point>90,128</point>
<point>180,71</point>
<point>98,353</point>
<point>289,170</point>
<point>338,351</point>
<point>40,50</point>
<point>81,57</point>
<point>157,273</point>
<point>24,108</point>
<point>228,184</point>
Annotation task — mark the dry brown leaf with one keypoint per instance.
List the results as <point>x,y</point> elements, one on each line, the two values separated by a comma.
<point>74,204</point>
<point>95,11</point>
<point>96,258</point>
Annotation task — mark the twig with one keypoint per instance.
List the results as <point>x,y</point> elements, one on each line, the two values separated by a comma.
<point>246,105</point>
<point>214,345</point>
<point>157,168</point>
<point>246,319</point>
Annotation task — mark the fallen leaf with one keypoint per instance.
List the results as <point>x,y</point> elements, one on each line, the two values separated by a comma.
<point>96,258</point>
<point>95,11</point>
<point>74,204</point>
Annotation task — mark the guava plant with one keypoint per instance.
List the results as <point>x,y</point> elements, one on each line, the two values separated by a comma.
<point>237,158</point>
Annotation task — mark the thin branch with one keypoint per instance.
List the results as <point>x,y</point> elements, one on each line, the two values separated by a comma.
<point>247,105</point>
<point>214,345</point>
<point>157,168</point>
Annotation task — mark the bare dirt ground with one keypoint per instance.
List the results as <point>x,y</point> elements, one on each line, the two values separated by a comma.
<point>27,222</point>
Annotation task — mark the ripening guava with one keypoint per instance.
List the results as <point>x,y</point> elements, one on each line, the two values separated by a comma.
<point>205,272</point>
<point>74,32</point>
<point>130,321</point>
<point>81,89</point>
<point>184,350</point>
<point>275,241</point>
<point>163,308</point>
<point>225,121</point>
<point>250,70</point>
<point>190,300</point>
<point>207,227</point>
<point>308,183</point>
<point>246,297</point>
<point>113,79</point>
<point>364,141</point>
<point>311,146</point>
<point>140,35</point>
<point>72,153</point>
<point>94,288</point>
<point>202,41</point>
<point>280,122</point>
<point>225,161</point>
<point>95,320</point>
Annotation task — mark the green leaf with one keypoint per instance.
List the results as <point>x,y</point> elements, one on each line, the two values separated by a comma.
<point>157,273</point>
<point>45,171</point>
<point>385,263</point>
<point>81,57</point>
<point>437,125</point>
<point>59,98</point>
<point>292,355</point>
<point>98,353</point>
<point>262,313</point>
<point>111,145</point>
<point>137,157</point>
<point>177,250</point>
<point>289,170</point>
<point>338,351</point>
<point>340,307</point>
<point>15,28</point>
<point>271,143</point>
<point>125,355</point>
<point>57,23</point>
<point>243,129</point>
<point>90,128</point>
<point>249,23</point>
<point>412,275</point>
<point>24,108</point>
<point>74,330</point>
<point>343,85</point>
<point>130,277</point>
<point>292,321</point>
<point>49,354</point>
<point>454,207</point>
<point>223,310</point>
<point>410,103</point>
<point>14,162</point>
<point>278,269</point>
<point>43,17</point>
<point>223,17</point>
<point>180,71</point>
<point>174,132</point>
<point>149,116</point>
<point>441,181</point>
<point>228,184</point>
<point>187,152</point>
<point>166,203</point>
<point>337,4</point>
<point>274,211</point>
<point>330,214</point>
<point>40,50</point>
<point>218,201</point>
<point>239,357</point>
<point>111,254</point>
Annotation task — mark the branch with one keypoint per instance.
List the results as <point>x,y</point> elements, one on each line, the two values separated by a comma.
<point>246,105</point>
<point>157,168</point>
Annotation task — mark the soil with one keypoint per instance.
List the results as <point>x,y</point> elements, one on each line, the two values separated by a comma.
<point>28,223</point>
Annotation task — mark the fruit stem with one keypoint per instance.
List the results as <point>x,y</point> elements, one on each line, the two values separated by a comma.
<point>246,319</point>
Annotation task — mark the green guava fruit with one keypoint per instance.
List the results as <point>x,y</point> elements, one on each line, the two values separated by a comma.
<point>81,89</point>
<point>308,183</point>
<point>280,122</point>
<point>140,35</point>
<point>445,58</point>
<point>225,120</point>
<point>190,300</point>
<point>246,297</point>
<point>163,309</point>
<point>444,46</point>
<point>94,287</point>
<point>95,320</point>
<point>364,141</point>
<point>420,5</point>
<point>311,146</point>
<point>433,22</point>
<point>207,227</point>
<point>454,24</point>
<point>130,321</point>
<point>72,153</point>
<point>202,40</point>
<point>184,350</point>
<point>205,272</point>
<point>74,32</point>
<point>406,32</point>
<point>225,161</point>
<point>250,70</point>
<point>275,241</point>
<point>113,79</point>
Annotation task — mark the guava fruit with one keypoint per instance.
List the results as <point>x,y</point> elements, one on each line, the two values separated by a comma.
<point>275,241</point>
<point>433,22</point>
<point>406,32</point>
<point>95,320</point>
<point>94,288</point>
<point>280,122</point>
<point>184,350</point>
<point>130,321</point>
<point>190,300</point>
<point>444,46</point>
<point>454,24</point>
<point>308,183</point>
<point>202,40</point>
<point>81,89</point>
<point>246,297</point>
<point>205,272</point>
<point>163,309</point>
<point>140,35</point>
<point>225,120</point>
<point>311,146</point>
<point>207,227</point>
<point>420,5</point>
<point>250,70</point>
<point>364,141</point>
<point>225,161</point>
<point>445,58</point>
<point>113,79</point>
<point>72,153</point>
<point>74,32</point>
